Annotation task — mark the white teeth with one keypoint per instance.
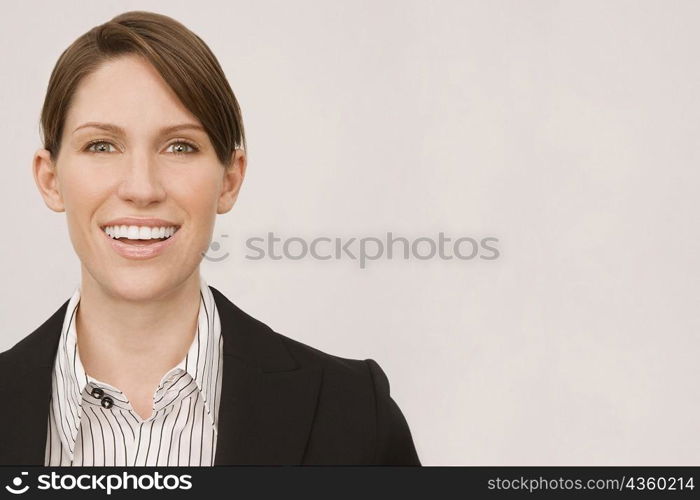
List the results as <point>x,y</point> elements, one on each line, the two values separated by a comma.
<point>139,232</point>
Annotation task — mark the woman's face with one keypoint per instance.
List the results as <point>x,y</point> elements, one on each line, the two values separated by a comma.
<point>133,156</point>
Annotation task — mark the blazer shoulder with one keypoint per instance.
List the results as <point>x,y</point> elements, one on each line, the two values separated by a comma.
<point>363,388</point>
<point>366,372</point>
<point>38,347</point>
<point>307,355</point>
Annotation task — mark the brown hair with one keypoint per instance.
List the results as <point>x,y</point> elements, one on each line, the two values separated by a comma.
<point>182,58</point>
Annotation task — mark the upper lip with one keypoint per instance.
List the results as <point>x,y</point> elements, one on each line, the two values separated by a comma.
<point>140,221</point>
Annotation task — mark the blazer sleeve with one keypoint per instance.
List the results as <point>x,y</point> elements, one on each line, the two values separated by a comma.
<point>394,443</point>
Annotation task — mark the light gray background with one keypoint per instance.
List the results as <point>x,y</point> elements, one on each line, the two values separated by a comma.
<point>569,130</point>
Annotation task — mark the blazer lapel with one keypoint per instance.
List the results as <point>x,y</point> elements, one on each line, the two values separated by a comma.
<point>267,401</point>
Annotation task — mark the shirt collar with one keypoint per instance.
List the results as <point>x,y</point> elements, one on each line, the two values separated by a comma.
<point>202,362</point>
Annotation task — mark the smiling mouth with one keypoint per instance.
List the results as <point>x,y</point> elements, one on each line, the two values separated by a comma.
<point>140,235</point>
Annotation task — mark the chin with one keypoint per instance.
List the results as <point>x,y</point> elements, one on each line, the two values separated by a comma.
<point>141,285</point>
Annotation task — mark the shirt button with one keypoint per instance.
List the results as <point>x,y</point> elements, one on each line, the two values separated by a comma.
<point>97,393</point>
<point>107,402</point>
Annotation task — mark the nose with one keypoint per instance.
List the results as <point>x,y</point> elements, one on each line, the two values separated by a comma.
<point>141,183</point>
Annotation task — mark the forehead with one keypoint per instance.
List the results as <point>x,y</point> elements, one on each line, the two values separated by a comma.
<point>129,92</point>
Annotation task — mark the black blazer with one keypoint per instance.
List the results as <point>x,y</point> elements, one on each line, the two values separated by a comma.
<point>282,402</point>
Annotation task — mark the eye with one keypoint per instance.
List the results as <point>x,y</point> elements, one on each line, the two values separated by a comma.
<point>100,147</point>
<point>183,147</point>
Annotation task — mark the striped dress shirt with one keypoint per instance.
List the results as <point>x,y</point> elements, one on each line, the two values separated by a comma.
<point>93,423</point>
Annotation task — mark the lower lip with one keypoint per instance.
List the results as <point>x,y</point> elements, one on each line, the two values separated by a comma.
<point>140,252</point>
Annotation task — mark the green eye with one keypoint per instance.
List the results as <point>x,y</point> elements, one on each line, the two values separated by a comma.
<point>181,147</point>
<point>100,147</point>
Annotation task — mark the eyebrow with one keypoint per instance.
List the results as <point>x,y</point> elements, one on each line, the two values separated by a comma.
<point>109,127</point>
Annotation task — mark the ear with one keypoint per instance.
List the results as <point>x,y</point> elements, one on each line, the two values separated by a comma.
<point>46,178</point>
<point>233,178</point>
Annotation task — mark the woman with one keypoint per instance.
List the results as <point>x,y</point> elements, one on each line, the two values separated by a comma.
<point>146,364</point>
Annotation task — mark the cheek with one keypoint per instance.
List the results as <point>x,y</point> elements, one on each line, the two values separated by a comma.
<point>197,195</point>
<point>83,192</point>
<point>198,192</point>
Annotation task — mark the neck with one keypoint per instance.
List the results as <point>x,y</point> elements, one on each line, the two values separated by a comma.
<point>122,340</point>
